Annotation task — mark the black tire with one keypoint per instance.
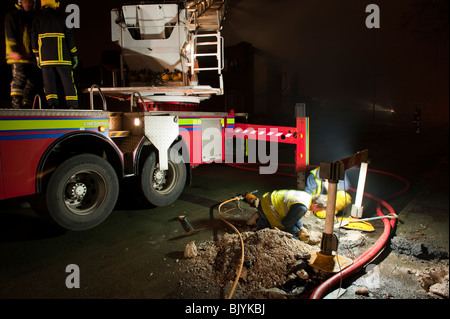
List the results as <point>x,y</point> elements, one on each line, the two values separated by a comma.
<point>82,192</point>
<point>162,188</point>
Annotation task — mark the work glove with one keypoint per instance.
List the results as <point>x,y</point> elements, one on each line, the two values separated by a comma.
<point>74,62</point>
<point>251,199</point>
<point>38,62</point>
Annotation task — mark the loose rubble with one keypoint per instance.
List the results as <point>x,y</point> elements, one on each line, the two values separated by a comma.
<point>191,250</point>
<point>435,281</point>
<point>275,265</point>
<point>419,249</point>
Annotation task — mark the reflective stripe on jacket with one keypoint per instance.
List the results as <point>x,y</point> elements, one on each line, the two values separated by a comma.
<point>52,41</point>
<point>276,204</point>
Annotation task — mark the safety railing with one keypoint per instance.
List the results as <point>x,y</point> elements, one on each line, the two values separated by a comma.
<point>37,97</point>
<point>91,96</point>
<point>132,100</point>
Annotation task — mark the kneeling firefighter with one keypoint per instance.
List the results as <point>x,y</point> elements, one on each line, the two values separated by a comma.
<point>284,210</point>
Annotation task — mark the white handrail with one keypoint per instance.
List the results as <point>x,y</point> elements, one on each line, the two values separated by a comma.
<point>91,93</point>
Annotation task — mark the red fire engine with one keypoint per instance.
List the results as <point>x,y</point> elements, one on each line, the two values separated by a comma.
<point>71,163</point>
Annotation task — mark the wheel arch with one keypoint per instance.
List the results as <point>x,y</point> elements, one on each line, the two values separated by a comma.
<point>146,148</point>
<point>74,144</point>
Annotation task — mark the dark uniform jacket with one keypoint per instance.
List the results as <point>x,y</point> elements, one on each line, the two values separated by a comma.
<point>18,24</point>
<point>52,41</point>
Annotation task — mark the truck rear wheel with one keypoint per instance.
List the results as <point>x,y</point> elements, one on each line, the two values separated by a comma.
<point>162,188</point>
<point>82,192</point>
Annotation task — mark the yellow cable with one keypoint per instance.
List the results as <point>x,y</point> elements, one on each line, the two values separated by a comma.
<point>238,274</point>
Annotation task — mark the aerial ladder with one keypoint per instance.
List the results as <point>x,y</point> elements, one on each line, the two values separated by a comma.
<point>164,47</point>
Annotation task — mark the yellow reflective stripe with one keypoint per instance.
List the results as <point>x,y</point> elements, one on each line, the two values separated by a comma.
<point>189,121</point>
<point>318,188</point>
<point>60,54</point>
<point>73,81</point>
<point>56,62</point>
<point>71,98</point>
<point>51,35</point>
<point>9,44</point>
<point>74,50</point>
<point>39,48</point>
<point>26,40</point>
<point>51,96</point>
<point>14,93</point>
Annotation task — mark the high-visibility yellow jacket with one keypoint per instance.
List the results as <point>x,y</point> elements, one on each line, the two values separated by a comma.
<point>52,42</point>
<point>318,187</point>
<point>315,185</point>
<point>276,204</point>
<point>18,25</point>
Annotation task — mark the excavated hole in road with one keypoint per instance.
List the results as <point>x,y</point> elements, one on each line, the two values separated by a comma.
<point>275,265</point>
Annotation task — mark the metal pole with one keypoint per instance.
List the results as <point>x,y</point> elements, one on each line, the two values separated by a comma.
<point>357,209</point>
<point>327,242</point>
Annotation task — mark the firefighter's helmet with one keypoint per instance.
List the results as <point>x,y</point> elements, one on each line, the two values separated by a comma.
<point>19,4</point>
<point>50,3</point>
<point>343,199</point>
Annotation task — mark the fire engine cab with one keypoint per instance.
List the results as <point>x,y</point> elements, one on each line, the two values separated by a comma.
<point>72,163</point>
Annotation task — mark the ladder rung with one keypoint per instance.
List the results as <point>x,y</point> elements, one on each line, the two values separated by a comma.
<point>207,43</point>
<point>206,69</point>
<point>205,54</point>
<point>206,35</point>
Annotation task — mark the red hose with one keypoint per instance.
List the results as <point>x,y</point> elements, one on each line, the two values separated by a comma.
<point>373,251</point>
<point>364,258</point>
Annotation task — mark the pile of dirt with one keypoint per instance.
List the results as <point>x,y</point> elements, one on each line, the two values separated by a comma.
<point>270,256</point>
<point>275,265</point>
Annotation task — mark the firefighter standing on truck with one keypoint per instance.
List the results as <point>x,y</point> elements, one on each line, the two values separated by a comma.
<point>25,73</point>
<point>54,47</point>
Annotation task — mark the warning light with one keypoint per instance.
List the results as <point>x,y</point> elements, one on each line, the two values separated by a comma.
<point>102,129</point>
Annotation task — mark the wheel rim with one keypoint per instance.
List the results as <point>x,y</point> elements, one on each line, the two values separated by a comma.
<point>164,182</point>
<point>84,192</point>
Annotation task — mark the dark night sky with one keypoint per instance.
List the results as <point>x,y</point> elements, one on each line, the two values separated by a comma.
<point>327,42</point>
<point>338,57</point>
